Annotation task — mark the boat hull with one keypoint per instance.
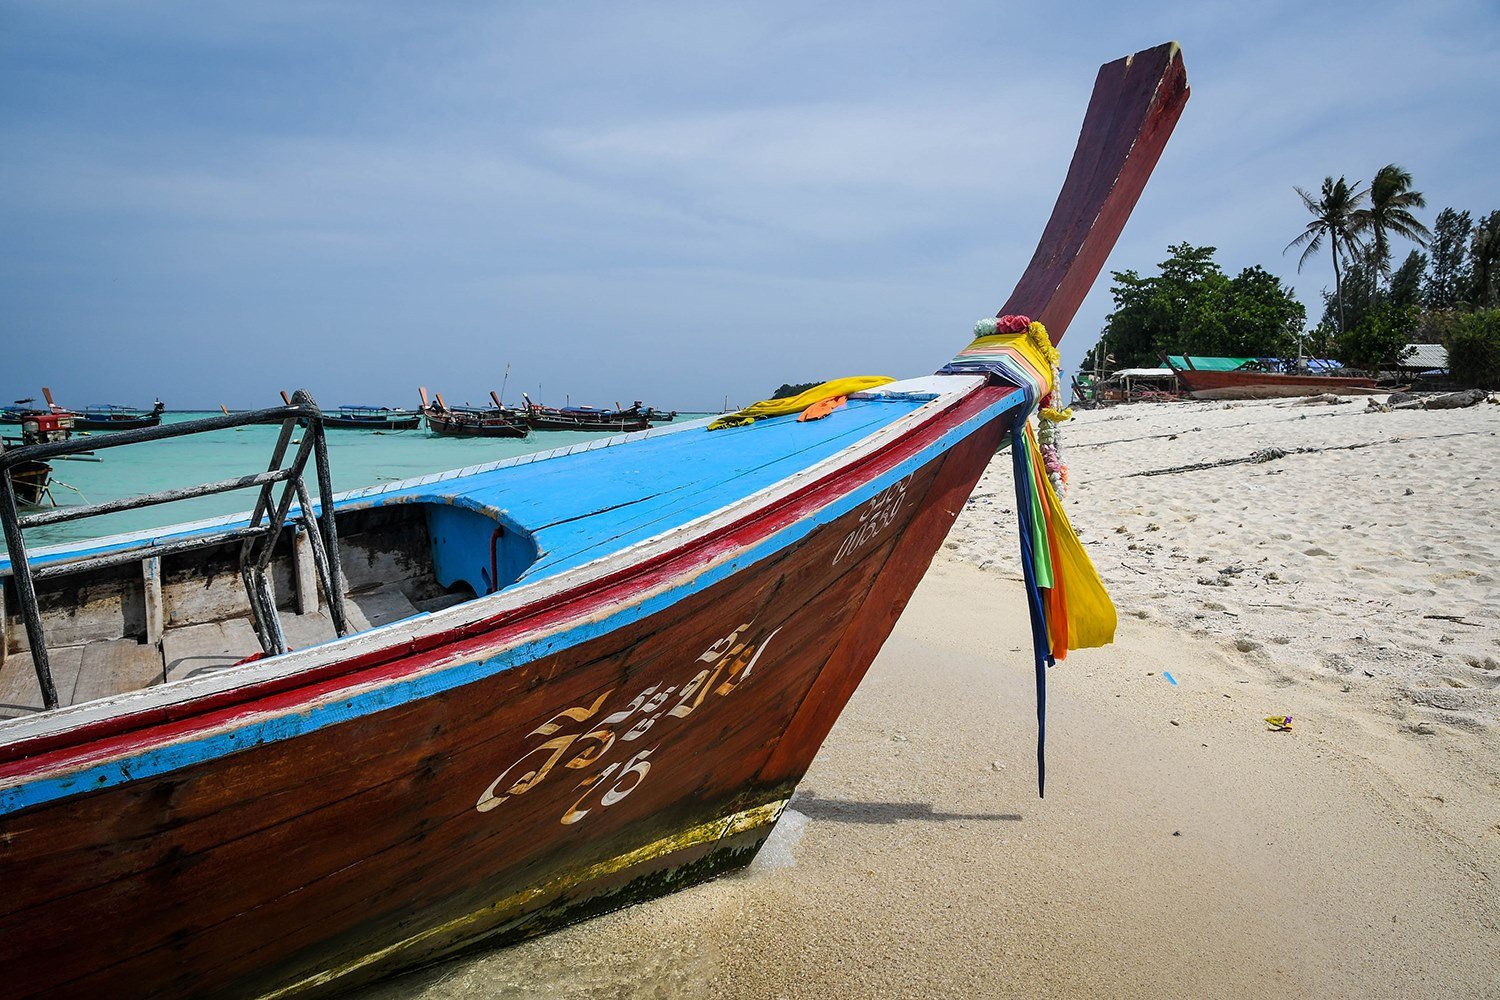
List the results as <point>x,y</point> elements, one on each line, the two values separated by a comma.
<point>31,481</point>
<point>82,423</point>
<point>1268,385</point>
<point>444,427</point>
<point>558,422</point>
<point>644,757</point>
<point>355,424</point>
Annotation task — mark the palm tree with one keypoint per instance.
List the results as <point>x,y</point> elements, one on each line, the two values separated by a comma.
<point>1485,253</point>
<point>1336,215</point>
<point>1391,202</point>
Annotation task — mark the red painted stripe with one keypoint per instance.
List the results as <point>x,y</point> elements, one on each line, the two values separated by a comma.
<point>124,735</point>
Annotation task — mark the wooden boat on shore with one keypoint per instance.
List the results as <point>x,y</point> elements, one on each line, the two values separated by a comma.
<point>1256,382</point>
<point>584,418</point>
<point>521,694</point>
<point>472,421</point>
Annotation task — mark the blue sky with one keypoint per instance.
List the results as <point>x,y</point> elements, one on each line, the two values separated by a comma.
<point>677,202</point>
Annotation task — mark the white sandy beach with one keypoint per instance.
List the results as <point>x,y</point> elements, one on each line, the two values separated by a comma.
<point>1183,849</point>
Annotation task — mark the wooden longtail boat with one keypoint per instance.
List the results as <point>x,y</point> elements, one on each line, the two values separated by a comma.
<point>116,417</point>
<point>472,421</point>
<point>655,416</point>
<point>373,418</point>
<point>33,483</point>
<point>106,416</point>
<point>654,633</point>
<point>12,413</point>
<point>584,418</point>
<point>1253,384</point>
<point>368,418</point>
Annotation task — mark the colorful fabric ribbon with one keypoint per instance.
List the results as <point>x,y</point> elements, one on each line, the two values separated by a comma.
<point>796,404</point>
<point>1067,602</point>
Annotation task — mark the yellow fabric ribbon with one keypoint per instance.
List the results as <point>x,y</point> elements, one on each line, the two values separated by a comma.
<point>796,404</point>
<point>1091,614</point>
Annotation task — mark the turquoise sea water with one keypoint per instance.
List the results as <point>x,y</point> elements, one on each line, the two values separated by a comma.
<point>358,458</point>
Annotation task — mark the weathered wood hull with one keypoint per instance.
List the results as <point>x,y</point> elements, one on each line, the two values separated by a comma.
<point>398,423</point>
<point>645,757</point>
<point>31,481</point>
<point>1267,385</point>
<point>447,426</point>
<point>83,423</point>
<point>563,422</point>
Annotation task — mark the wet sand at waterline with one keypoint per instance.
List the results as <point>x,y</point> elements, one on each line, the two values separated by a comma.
<point>1183,849</point>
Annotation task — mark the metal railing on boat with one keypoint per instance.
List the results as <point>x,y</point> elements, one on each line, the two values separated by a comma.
<point>257,537</point>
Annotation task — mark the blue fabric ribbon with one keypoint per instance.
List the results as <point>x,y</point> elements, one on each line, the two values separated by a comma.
<point>1041,645</point>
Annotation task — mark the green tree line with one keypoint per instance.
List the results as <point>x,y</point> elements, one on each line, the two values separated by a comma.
<point>1445,290</point>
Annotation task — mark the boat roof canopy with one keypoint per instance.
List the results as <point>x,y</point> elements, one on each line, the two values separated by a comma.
<point>1209,364</point>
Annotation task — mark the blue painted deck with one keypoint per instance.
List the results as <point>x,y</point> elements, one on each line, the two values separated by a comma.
<point>579,506</point>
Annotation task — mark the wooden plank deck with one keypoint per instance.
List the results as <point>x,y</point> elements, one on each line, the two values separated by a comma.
<point>195,649</point>
<point>116,667</point>
<point>81,673</point>
<point>19,692</point>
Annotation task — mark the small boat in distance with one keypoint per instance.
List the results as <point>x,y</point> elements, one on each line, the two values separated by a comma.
<point>12,413</point>
<point>374,418</point>
<point>585,418</point>
<point>655,416</point>
<point>108,416</point>
<point>116,417</point>
<point>1255,378</point>
<point>366,418</point>
<point>471,421</point>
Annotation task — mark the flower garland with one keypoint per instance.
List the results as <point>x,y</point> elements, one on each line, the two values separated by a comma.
<point>1049,418</point>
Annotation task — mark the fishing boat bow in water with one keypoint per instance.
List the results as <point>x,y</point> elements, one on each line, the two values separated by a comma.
<point>596,675</point>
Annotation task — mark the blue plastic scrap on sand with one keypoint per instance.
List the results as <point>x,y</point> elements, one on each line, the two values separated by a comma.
<point>1170,679</point>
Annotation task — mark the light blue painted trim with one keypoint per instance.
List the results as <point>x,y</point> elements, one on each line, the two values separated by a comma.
<point>296,722</point>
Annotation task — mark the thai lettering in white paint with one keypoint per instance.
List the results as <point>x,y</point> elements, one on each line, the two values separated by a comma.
<point>721,670</point>
<point>876,515</point>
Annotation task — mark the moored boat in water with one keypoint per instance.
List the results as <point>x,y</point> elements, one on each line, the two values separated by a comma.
<point>655,416</point>
<point>373,418</point>
<point>32,480</point>
<point>472,421</point>
<point>116,417</point>
<point>522,693</point>
<point>586,418</point>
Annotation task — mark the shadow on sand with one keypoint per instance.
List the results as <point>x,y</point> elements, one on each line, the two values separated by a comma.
<point>851,811</point>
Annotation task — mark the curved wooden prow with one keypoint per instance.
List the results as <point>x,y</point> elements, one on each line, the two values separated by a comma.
<point>495,398</point>
<point>1136,102</point>
<point>422,391</point>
